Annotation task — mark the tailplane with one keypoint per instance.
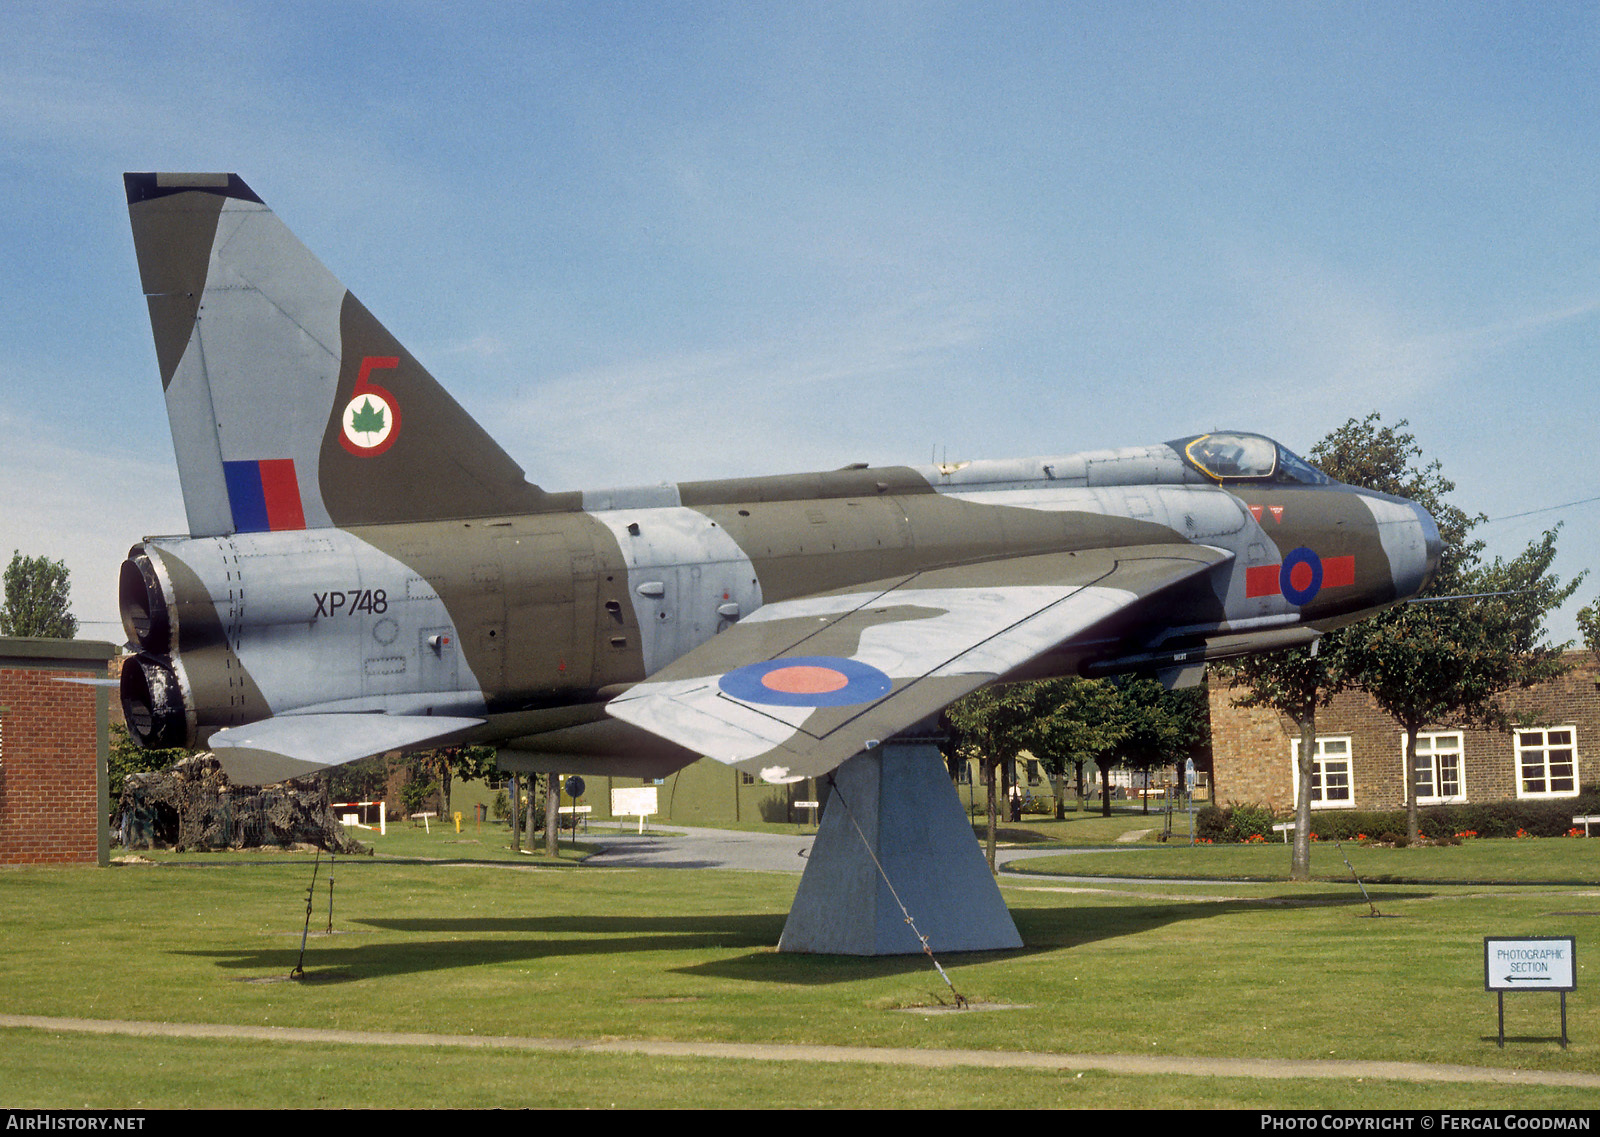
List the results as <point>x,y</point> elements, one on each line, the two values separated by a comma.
<point>291,407</point>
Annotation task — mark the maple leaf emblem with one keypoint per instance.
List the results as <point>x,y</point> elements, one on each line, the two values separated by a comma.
<point>368,419</point>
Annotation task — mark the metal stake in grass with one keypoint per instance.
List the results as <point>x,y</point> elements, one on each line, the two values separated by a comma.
<point>311,891</point>
<point>961,1000</point>
<point>1374,913</point>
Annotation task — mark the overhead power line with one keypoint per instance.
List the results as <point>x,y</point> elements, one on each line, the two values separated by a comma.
<point>1545,509</point>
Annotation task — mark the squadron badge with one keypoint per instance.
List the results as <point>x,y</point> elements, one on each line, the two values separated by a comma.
<point>371,418</point>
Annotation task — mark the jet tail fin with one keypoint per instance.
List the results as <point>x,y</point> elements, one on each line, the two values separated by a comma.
<point>291,407</point>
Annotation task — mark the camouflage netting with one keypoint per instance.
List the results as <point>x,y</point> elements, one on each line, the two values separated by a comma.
<point>192,806</point>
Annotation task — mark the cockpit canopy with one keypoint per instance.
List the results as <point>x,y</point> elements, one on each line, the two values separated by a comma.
<point>1234,456</point>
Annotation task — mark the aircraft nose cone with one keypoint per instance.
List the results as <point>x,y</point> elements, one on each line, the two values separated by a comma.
<point>1432,542</point>
<point>1409,538</point>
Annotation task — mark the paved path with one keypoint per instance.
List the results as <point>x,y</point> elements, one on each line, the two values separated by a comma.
<point>699,849</point>
<point>689,848</point>
<point>1164,1065</point>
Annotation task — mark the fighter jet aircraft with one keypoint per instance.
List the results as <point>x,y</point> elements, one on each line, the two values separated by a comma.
<point>366,570</point>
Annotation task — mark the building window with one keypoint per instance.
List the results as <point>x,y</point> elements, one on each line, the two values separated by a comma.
<point>1331,784</point>
<point>1547,762</point>
<point>1438,767</point>
<point>1033,772</point>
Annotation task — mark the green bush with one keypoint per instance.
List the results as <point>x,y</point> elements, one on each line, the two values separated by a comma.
<point>1234,822</point>
<point>415,795</point>
<point>1246,820</point>
<point>1438,822</point>
<point>128,757</point>
<point>1350,824</point>
<point>1249,820</point>
<point>1239,822</point>
<point>1503,818</point>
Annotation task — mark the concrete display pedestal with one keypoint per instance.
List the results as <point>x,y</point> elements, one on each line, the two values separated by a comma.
<point>901,797</point>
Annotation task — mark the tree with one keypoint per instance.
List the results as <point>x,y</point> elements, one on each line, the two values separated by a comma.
<point>991,725</point>
<point>365,780</point>
<point>125,756</point>
<point>1589,625</point>
<point>38,599</point>
<point>1454,659</point>
<point>1075,722</point>
<point>1441,659</point>
<point>468,763</point>
<point>1159,726</point>
<point>1294,683</point>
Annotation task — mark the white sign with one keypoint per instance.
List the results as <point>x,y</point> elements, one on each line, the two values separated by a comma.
<point>1540,963</point>
<point>633,801</point>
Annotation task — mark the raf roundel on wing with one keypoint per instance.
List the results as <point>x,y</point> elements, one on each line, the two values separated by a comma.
<point>807,681</point>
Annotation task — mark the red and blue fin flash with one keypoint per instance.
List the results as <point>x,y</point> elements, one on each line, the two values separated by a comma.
<point>264,495</point>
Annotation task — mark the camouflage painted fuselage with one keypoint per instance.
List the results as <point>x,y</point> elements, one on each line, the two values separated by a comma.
<point>535,621</point>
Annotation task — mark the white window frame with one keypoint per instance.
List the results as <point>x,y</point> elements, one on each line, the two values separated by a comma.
<point>1536,740</point>
<point>1319,772</point>
<point>1429,747</point>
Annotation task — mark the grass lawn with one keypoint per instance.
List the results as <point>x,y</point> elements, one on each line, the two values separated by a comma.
<point>1553,860</point>
<point>484,841</point>
<point>453,934</point>
<point>1079,829</point>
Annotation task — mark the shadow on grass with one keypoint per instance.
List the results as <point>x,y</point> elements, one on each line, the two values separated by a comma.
<point>260,859</point>
<point>740,947</point>
<point>820,970</point>
<point>528,939</point>
<point>1048,929</point>
<point>1007,835</point>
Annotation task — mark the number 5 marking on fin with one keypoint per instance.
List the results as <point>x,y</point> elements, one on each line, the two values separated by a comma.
<point>371,419</point>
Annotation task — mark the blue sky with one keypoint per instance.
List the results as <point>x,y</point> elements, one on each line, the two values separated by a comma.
<point>657,241</point>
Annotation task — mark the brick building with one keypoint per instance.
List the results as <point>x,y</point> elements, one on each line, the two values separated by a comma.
<point>53,747</point>
<point>1360,750</point>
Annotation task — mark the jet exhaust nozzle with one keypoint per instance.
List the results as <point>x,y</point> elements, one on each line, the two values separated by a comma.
<point>152,702</point>
<point>146,616</point>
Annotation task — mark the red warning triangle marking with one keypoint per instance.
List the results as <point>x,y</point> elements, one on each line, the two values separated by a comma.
<point>1255,511</point>
<point>1277,513</point>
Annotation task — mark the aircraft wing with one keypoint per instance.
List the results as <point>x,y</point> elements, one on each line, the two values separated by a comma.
<point>800,685</point>
<point>291,746</point>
